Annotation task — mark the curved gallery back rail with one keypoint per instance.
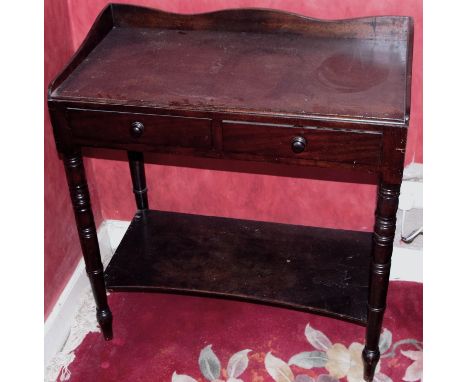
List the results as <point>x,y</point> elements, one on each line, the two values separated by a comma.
<point>253,85</point>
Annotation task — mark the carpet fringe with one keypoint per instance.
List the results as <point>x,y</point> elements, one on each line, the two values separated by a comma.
<point>83,323</point>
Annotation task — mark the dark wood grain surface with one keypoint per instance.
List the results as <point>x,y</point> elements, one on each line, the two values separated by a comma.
<point>333,145</point>
<point>96,126</point>
<point>257,72</point>
<point>312,269</point>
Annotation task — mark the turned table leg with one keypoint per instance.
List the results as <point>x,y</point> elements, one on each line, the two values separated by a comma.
<point>384,232</point>
<point>88,238</point>
<point>137,171</point>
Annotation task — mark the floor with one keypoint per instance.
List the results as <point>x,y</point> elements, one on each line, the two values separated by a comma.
<point>161,337</point>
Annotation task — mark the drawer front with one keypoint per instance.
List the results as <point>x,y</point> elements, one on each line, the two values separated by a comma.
<point>313,143</point>
<point>150,129</point>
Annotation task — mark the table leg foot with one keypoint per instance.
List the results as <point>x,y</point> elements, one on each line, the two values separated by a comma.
<point>104,318</point>
<point>370,359</point>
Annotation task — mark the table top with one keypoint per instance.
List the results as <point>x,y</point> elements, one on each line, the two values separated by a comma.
<point>357,69</point>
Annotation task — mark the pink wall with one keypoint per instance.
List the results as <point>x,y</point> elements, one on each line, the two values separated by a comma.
<point>214,192</point>
<point>61,246</point>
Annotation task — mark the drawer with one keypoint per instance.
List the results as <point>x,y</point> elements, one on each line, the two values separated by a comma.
<point>89,126</point>
<point>313,143</point>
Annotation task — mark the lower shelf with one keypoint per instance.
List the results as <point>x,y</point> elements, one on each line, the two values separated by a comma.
<point>319,270</point>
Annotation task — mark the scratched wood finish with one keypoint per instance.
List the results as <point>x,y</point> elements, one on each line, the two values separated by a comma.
<point>263,21</point>
<point>348,146</point>
<point>227,71</point>
<point>90,127</point>
<point>253,85</point>
<point>201,76</point>
<point>311,269</point>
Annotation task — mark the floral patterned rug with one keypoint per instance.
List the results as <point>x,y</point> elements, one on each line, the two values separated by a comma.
<point>160,337</point>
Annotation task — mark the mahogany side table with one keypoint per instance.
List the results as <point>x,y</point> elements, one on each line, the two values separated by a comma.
<point>251,85</point>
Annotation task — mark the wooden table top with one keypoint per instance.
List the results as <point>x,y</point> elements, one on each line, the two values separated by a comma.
<point>334,74</point>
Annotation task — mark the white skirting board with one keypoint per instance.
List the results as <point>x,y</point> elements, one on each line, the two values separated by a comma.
<point>406,266</point>
<point>57,325</point>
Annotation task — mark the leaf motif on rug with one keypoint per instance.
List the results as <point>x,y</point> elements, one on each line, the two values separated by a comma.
<point>278,369</point>
<point>309,359</point>
<point>414,372</point>
<point>281,372</point>
<point>317,339</point>
<point>210,366</point>
<point>238,363</point>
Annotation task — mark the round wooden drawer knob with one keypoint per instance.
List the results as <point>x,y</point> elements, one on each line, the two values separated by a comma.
<point>137,129</point>
<point>298,144</point>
